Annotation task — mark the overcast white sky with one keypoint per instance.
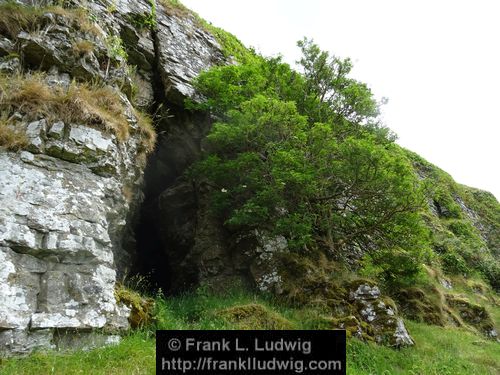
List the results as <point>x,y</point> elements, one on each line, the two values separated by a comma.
<point>437,61</point>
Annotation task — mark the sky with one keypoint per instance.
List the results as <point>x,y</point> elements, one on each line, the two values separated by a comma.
<point>438,63</point>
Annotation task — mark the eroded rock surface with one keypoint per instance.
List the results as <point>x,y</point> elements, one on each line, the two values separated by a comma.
<point>201,251</point>
<point>60,233</point>
<point>69,199</point>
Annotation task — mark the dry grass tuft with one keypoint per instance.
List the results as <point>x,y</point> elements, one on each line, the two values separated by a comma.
<point>15,18</point>
<point>83,47</point>
<point>93,105</point>
<point>11,138</point>
<point>176,8</point>
<point>147,130</point>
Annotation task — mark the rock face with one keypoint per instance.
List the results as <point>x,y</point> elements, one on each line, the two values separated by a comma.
<point>70,198</point>
<point>200,251</point>
<point>61,225</point>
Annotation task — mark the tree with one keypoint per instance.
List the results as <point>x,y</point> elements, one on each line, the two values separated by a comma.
<point>330,95</point>
<point>330,185</point>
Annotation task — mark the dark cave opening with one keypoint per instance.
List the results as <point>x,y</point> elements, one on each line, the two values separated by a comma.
<point>180,133</point>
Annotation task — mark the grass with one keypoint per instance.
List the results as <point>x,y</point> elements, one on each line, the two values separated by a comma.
<point>83,47</point>
<point>231,46</point>
<point>91,104</point>
<point>438,350</point>
<point>11,137</point>
<point>15,17</point>
<point>134,355</point>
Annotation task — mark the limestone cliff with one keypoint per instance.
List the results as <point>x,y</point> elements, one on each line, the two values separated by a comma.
<point>74,152</point>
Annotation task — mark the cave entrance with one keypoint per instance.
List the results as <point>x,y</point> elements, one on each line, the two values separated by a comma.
<point>179,143</point>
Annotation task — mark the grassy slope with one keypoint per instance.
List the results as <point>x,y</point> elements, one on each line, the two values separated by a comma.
<point>438,350</point>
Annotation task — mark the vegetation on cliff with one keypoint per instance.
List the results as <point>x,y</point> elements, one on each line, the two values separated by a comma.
<point>96,104</point>
<point>439,350</point>
<point>304,155</point>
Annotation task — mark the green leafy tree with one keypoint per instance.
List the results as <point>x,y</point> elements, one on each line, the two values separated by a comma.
<point>295,155</point>
<point>330,94</point>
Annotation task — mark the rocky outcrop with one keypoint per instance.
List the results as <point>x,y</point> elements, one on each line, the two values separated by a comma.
<point>201,251</point>
<point>77,197</point>
<point>69,199</point>
<point>61,226</point>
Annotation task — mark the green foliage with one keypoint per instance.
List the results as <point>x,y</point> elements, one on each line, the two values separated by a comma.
<point>227,87</point>
<point>488,208</point>
<point>329,93</point>
<point>270,170</point>
<point>454,264</point>
<point>325,185</point>
<point>466,229</point>
<point>231,46</point>
<point>116,50</point>
<point>435,351</point>
<point>445,204</point>
<point>145,21</point>
<point>396,268</point>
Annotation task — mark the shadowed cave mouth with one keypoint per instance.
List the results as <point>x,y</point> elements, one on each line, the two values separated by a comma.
<point>179,136</point>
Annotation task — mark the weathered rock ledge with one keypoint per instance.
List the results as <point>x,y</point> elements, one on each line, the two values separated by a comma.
<point>69,199</point>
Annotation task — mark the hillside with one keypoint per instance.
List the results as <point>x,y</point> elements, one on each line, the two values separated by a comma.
<point>157,174</point>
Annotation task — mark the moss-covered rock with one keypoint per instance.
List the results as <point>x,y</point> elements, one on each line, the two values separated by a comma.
<point>254,316</point>
<point>311,281</point>
<point>473,314</point>
<point>141,308</point>
<point>422,306</point>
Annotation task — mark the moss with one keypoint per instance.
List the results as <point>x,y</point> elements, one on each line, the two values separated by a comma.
<point>472,313</point>
<point>356,283</point>
<point>254,316</point>
<point>309,280</point>
<point>422,305</point>
<point>141,308</point>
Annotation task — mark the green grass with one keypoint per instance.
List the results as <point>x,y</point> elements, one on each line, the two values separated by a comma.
<point>134,355</point>
<point>437,351</point>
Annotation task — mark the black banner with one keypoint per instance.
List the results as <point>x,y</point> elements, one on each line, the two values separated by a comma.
<point>251,352</point>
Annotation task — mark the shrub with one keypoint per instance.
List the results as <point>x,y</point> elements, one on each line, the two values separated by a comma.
<point>454,264</point>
